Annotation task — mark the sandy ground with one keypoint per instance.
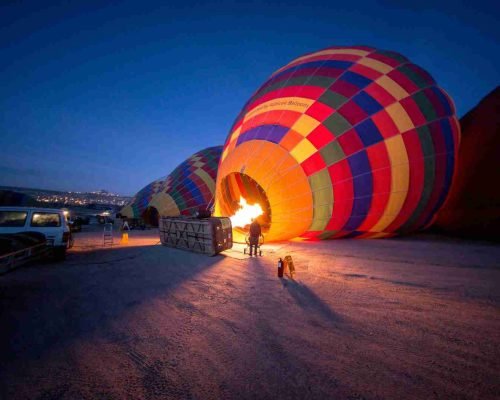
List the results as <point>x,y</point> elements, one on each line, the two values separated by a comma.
<point>413,318</point>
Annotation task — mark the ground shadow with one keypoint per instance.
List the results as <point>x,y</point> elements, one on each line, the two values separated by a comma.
<point>309,300</point>
<point>45,306</point>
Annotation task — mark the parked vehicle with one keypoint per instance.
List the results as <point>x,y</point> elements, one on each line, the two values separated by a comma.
<point>50,222</point>
<point>75,225</point>
<point>104,219</point>
<point>136,223</point>
<point>17,249</point>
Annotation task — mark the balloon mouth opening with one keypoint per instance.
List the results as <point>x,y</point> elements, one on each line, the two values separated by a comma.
<point>240,193</point>
<point>151,216</point>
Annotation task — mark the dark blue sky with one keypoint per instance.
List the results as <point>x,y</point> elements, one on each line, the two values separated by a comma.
<point>114,96</point>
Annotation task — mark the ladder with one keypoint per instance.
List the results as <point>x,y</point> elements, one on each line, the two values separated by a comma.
<point>107,235</point>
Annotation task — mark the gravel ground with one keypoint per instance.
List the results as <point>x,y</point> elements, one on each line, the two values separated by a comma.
<point>413,318</point>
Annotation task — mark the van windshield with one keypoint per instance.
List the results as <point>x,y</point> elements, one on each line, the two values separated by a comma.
<point>12,219</point>
<point>44,219</point>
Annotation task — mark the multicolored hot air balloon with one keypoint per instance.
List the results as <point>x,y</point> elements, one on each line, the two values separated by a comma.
<point>188,188</point>
<point>342,142</point>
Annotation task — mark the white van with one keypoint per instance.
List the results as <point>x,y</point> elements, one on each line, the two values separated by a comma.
<point>49,221</point>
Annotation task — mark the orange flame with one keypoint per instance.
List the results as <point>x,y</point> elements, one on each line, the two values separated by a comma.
<point>245,213</point>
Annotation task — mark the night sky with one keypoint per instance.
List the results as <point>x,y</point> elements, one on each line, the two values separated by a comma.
<point>97,96</point>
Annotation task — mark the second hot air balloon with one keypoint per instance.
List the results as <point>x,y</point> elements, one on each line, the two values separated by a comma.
<point>187,189</point>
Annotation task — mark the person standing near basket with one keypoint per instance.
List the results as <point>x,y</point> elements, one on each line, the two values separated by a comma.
<point>255,232</point>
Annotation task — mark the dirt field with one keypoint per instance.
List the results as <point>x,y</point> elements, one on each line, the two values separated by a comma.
<point>413,318</point>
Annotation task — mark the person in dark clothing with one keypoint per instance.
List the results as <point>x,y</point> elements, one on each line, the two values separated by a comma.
<point>255,233</point>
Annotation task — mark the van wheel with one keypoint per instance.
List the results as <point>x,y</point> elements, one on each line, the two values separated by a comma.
<point>60,253</point>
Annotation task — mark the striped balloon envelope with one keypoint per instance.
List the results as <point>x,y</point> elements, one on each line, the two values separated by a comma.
<point>188,188</point>
<point>342,142</point>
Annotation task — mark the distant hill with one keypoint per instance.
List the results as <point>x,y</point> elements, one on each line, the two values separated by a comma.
<point>55,198</point>
<point>13,198</point>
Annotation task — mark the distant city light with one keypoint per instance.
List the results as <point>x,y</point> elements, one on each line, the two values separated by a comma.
<point>97,199</point>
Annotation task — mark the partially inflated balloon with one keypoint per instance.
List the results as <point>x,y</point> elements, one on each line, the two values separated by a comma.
<point>187,189</point>
<point>346,141</point>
